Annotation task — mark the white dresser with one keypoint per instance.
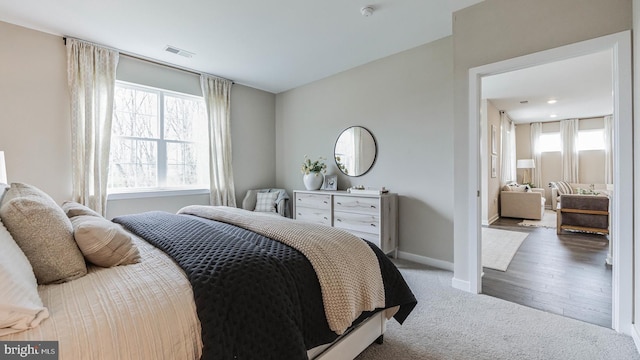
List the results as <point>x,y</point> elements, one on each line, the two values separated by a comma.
<point>371,217</point>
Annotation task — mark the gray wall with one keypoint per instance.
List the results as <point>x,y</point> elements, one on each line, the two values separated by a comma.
<point>37,138</point>
<point>495,30</point>
<point>406,101</point>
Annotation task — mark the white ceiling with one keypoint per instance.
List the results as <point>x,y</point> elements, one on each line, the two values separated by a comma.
<point>272,45</point>
<point>582,87</point>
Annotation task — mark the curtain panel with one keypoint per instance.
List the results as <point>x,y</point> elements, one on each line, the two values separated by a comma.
<point>507,150</point>
<point>217,98</point>
<point>608,149</point>
<point>569,138</point>
<point>536,154</point>
<point>91,72</point>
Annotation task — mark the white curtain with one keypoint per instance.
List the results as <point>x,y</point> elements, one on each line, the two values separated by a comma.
<point>569,138</point>
<point>536,154</point>
<point>91,72</point>
<point>507,149</point>
<point>608,149</point>
<point>217,98</point>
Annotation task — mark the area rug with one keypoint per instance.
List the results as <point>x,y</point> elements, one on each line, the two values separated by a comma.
<point>499,247</point>
<point>549,220</point>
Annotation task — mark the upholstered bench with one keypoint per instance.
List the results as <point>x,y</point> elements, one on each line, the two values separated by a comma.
<point>583,213</point>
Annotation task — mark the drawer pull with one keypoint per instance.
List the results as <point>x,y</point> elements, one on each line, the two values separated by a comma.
<point>374,225</point>
<point>373,206</point>
<point>326,218</point>
<point>325,202</point>
<point>339,220</point>
<point>339,203</point>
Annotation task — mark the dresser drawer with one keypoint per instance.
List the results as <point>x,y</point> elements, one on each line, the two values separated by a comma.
<point>361,205</point>
<point>357,222</point>
<point>315,201</point>
<point>374,238</point>
<point>317,216</point>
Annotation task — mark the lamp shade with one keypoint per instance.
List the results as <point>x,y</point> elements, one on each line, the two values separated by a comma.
<point>526,164</point>
<point>3,169</point>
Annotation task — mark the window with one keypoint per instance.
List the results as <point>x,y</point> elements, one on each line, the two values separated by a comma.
<point>159,140</point>
<point>591,139</point>
<point>550,142</point>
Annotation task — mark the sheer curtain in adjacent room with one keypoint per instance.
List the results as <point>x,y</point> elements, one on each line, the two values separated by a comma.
<point>569,139</point>
<point>507,149</point>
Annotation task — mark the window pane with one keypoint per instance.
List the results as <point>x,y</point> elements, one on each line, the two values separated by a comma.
<point>550,142</point>
<point>184,119</point>
<point>184,168</point>
<point>591,140</point>
<point>135,113</point>
<point>133,164</point>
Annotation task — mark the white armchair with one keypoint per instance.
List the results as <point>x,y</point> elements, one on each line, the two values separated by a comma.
<point>282,200</point>
<point>523,205</point>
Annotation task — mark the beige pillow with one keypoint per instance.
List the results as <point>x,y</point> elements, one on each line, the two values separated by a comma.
<point>72,208</point>
<point>20,304</point>
<point>43,232</point>
<point>103,242</point>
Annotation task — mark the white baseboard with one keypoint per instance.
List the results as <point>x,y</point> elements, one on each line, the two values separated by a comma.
<point>635,335</point>
<point>463,285</point>
<point>440,264</point>
<point>494,218</point>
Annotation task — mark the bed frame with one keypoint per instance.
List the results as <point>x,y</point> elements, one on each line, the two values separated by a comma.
<point>347,347</point>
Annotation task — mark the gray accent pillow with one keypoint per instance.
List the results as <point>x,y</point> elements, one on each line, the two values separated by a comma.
<point>43,232</point>
<point>103,242</point>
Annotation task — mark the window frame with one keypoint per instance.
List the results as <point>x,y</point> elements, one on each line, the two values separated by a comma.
<point>161,189</point>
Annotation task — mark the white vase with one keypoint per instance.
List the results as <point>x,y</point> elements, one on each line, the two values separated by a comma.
<point>313,180</point>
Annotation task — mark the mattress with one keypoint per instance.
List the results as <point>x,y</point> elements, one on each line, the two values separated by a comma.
<point>139,311</point>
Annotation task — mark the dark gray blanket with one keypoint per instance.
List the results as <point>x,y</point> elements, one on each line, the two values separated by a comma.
<point>256,298</point>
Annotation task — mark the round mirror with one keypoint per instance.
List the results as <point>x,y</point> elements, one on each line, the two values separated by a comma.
<point>355,151</point>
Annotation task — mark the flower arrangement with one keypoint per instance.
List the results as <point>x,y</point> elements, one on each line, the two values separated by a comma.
<point>313,167</point>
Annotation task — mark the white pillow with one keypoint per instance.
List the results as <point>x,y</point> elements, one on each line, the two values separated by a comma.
<point>266,202</point>
<point>20,305</point>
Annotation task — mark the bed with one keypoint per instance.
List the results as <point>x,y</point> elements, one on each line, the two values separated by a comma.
<point>211,289</point>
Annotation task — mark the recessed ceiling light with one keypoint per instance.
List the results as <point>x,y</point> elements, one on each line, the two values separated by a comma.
<point>553,115</point>
<point>367,11</point>
<point>552,101</point>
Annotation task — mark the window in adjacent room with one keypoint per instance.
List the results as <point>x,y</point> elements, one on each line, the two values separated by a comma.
<point>550,142</point>
<point>591,139</point>
<point>159,140</point>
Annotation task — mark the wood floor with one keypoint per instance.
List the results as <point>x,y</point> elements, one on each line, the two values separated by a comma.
<point>561,274</point>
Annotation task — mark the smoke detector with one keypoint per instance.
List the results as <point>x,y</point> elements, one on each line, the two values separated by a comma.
<point>175,50</point>
<point>367,11</point>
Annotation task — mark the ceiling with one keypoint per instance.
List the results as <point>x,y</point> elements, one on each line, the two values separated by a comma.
<point>271,45</point>
<point>582,87</point>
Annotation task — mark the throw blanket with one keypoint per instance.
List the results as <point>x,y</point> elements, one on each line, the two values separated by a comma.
<point>256,298</point>
<point>333,253</point>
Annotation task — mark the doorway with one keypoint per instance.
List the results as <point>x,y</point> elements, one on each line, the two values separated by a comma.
<point>622,206</point>
<point>563,274</point>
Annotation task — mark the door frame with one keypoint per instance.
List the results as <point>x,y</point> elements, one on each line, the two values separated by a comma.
<point>622,206</point>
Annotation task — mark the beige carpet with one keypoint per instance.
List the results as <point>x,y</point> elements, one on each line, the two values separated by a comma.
<point>499,247</point>
<point>548,220</point>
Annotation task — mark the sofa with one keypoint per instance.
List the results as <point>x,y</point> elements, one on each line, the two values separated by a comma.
<point>559,188</point>
<point>522,202</point>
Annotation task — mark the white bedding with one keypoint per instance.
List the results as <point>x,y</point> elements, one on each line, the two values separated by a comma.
<point>139,311</point>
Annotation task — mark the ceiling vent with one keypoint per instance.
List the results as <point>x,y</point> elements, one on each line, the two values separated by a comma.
<point>175,50</point>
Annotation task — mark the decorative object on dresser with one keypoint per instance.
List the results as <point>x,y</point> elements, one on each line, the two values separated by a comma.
<point>330,182</point>
<point>373,217</point>
<point>355,151</point>
<point>313,173</point>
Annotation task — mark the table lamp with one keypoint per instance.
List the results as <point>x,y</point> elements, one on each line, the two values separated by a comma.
<point>525,164</point>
